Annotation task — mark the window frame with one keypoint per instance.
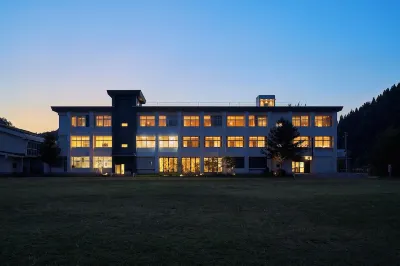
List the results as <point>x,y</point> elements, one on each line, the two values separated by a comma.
<point>258,140</point>
<point>236,120</point>
<point>297,120</point>
<point>186,140</point>
<point>306,141</point>
<point>86,162</point>
<point>104,140</point>
<point>322,122</point>
<point>173,166</point>
<point>191,121</point>
<point>236,140</point>
<point>213,140</point>
<point>193,163</point>
<point>109,159</point>
<point>82,139</point>
<point>145,140</point>
<point>147,120</point>
<point>170,139</point>
<point>78,121</point>
<point>162,120</point>
<point>102,119</point>
<point>325,139</point>
<point>217,167</point>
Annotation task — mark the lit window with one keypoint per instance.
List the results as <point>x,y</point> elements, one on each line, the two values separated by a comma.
<point>212,120</point>
<point>191,165</point>
<point>124,124</point>
<point>168,164</point>
<point>145,141</point>
<point>305,141</point>
<point>308,158</point>
<point>147,121</point>
<point>298,167</point>
<point>191,121</point>
<point>80,141</point>
<point>103,120</point>
<point>300,121</point>
<point>323,142</point>
<point>252,121</point>
<point>267,102</point>
<point>124,145</point>
<point>214,142</point>
<point>207,120</point>
<point>168,141</point>
<point>162,121</point>
<point>235,142</point>
<point>261,121</point>
<point>323,121</point>
<point>190,142</point>
<point>212,164</point>
<point>257,142</point>
<point>103,141</point>
<point>78,121</point>
<point>279,124</point>
<point>235,121</point>
<point>80,162</point>
<point>102,162</point>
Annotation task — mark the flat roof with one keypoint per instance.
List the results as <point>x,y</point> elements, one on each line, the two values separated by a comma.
<point>297,109</point>
<point>137,93</point>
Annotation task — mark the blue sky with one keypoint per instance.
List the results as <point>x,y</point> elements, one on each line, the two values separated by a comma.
<point>313,52</point>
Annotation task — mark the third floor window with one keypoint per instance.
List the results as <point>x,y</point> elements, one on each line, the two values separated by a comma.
<point>162,121</point>
<point>257,120</point>
<point>147,120</point>
<point>235,121</point>
<point>300,121</point>
<point>191,121</point>
<point>103,120</point>
<point>323,121</point>
<point>212,120</point>
<point>79,121</point>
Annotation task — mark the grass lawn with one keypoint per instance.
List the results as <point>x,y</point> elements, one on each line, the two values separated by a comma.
<point>73,221</point>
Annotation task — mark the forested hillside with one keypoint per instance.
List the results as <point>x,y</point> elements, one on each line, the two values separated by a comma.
<point>374,132</point>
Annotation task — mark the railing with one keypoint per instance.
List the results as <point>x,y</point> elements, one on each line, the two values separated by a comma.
<point>210,104</point>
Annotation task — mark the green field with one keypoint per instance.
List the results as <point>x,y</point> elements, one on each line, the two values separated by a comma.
<point>73,221</point>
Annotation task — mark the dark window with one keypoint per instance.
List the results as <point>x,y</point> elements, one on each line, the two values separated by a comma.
<point>238,161</point>
<point>14,165</point>
<point>216,120</point>
<point>172,122</point>
<point>257,162</point>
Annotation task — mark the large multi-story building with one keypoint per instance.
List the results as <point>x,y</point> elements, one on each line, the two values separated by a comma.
<point>128,136</point>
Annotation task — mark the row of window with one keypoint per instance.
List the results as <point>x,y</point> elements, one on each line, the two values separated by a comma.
<point>194,141</point>
<point>209,120</point>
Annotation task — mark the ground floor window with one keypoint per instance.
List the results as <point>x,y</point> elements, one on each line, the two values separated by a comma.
<point>191,165</point>
<point>298,167</point>
<point>168,164</point>
<point>80,162</point>
<point>102,162</point>
<point>212,164</point>
<point>257,162</point>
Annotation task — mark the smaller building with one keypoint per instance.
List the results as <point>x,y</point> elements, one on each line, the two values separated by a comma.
<point>19,151</point>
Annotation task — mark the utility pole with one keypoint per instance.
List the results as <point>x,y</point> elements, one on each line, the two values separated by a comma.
<point>345,150</point>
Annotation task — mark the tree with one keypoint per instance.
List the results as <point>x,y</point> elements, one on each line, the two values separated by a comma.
<point>49,151</point>
<point>5,122</point>
<point>281,145</point>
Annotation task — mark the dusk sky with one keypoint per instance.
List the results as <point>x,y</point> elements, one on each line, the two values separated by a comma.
<point>314,52</point>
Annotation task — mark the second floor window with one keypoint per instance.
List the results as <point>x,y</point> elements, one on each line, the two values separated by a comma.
<point>323,121</point>
<point>191,121</point>
<point>323,142</point>
<point>168,141</point>
<point>190,142</point>
<point>305,141</point>
<point>257,142</point>
<point>235,121</point>
<point>80,141</point>
<point>103,120</point>
<point>235,141</point>
<point>78,121</point>
<point>145,141</point>
<point>147,121</point>
<point>103,141</point>
<point>300,121</point>
<point>212,142</point>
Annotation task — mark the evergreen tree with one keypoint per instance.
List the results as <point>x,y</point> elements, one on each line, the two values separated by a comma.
<point>49,151</point>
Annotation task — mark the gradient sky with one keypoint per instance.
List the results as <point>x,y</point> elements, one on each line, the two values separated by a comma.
<point>316,52</point>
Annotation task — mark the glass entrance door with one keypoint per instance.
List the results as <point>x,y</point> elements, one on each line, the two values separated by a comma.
<point>120,169</point>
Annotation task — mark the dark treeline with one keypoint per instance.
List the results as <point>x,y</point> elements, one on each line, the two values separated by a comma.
<point>374,133</point>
